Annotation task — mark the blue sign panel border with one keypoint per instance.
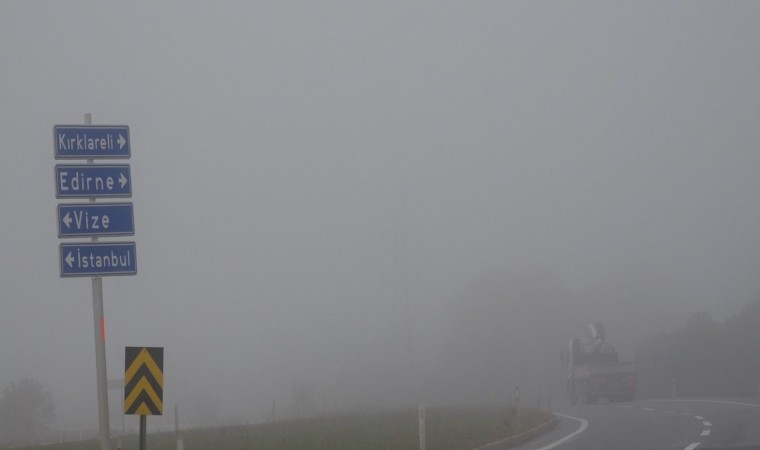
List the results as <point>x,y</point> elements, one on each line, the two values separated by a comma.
<point>105,252</point>
<point>122,214</point>
<point>89,172</point>
<point>97,135</point>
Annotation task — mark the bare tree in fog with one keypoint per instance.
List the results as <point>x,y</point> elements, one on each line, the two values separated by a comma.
<point>704,357</point>
<point>26,412</point>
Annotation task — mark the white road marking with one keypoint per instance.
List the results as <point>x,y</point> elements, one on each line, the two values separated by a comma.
<point>704,422</point>
<point>648,409</point>
<point>581,429</point>
<point>668,412</point>
<point>624,406</point>
<point>724,402</point>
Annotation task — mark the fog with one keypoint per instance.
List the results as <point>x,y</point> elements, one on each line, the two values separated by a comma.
<point>380,203</point>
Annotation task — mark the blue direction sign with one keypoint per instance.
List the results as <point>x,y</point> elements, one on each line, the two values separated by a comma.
<point>89,181</point>
<point>91,141</point>
<point>96,259</point>
<point>95,219</point>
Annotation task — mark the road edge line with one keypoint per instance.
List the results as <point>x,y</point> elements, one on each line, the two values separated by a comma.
<point>523,437</point>
<point>581,429</point>
<point>722,402</point>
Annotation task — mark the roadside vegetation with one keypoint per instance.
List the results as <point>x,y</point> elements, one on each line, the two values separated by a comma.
<point>704,358</point>
<point>26,412</point>
<point>446,429</point>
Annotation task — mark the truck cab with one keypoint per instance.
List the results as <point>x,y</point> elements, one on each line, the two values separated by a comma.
<point>594,371</point>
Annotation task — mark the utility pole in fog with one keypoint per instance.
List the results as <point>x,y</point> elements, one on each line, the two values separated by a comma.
<point>402,329</point>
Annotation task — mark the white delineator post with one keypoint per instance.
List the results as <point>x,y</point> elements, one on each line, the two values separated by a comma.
<point>180,444</point>
<point>421,415</point>
<point>518,406</point>
<point>100,345</point>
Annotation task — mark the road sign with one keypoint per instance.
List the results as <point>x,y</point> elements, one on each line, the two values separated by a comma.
<point>89,181</point>
<point>144,381</point>
<point>95,219</point>
<point>91,141</point>
<point>97,259</point>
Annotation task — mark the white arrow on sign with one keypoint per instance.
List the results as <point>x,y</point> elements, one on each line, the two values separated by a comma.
<point>67,220</point>
<point>69,260</point>
<point>121,141</point>
<point>122,180</point>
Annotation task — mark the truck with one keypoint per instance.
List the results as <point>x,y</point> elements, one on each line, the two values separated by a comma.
<point>594,371</point>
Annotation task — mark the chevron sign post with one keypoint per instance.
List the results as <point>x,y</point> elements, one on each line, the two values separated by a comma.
<point>143,384</point>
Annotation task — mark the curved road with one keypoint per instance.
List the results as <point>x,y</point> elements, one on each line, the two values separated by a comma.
<point>654,425</point>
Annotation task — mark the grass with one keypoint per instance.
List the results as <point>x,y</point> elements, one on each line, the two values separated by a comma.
<point>446,429</point>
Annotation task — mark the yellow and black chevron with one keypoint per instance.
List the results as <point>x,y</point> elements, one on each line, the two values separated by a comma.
<point>144,381</point>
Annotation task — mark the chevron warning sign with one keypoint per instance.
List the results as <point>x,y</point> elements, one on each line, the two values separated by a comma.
<point>144,381</point>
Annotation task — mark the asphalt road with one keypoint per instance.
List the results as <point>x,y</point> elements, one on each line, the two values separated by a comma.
<point>655,425</point>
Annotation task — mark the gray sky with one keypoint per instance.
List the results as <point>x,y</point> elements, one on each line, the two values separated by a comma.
<point>354,195</point>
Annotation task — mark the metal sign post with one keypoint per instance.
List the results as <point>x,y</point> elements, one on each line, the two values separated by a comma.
<point>421,417</point>
<point>95,259</point>
<point>143,434</point>
<point>143,384</point>
<point>99,322</point>
<point>100,362</point>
